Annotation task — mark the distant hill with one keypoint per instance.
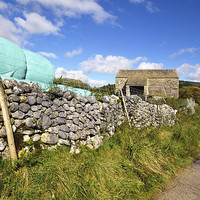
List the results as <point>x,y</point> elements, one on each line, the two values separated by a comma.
<point>72,83</point>
<point>106,89</point>
<point>188,83</point>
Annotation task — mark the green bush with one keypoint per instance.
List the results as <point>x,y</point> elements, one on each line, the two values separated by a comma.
<point>176,103</point>
<point>190,92</point>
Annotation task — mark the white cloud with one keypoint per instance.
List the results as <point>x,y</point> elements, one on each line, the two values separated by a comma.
<point>24,2</point>
<point>182,51</point>
<point>191,72</point>
<point>9,31</point>
<point>137,1</point>
<point>151,8</point>
<point>74,52</point>
<point>79,75</point>
<point>3,5</point>
<point>195,75</point>
<point>36,24</point>
<point>47,54</point>
<point>149,5</point>
<point>109,64</point>
<point>145,65</point>
<point>76,8</point>
<point>185,68</point>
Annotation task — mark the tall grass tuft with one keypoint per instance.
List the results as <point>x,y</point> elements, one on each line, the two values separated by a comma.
<point>133,164</point>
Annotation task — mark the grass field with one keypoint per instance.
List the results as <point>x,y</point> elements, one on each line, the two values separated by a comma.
<point>133,164</point>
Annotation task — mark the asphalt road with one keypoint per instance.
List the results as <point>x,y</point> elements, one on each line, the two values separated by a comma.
<point>186,186</point>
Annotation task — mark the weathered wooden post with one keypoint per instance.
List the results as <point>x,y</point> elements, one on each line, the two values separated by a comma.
<point>7,123</point>
<point>121,83</point>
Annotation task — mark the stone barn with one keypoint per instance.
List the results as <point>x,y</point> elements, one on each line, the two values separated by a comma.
<point>148,82</point>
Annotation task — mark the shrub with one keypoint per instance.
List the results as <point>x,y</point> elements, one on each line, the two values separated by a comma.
<point>190,92</point>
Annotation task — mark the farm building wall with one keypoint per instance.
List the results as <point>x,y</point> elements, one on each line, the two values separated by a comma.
<point>163,83</point>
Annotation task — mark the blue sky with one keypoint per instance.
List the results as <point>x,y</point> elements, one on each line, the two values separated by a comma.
<point>91,40</point>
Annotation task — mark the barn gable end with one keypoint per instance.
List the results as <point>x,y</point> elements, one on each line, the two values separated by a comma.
<point>148,82</point>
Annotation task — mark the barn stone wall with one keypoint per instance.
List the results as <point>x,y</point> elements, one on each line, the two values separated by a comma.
<point>170,85</point>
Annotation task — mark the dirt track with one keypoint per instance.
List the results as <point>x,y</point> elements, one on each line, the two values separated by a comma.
<point>186,186</point>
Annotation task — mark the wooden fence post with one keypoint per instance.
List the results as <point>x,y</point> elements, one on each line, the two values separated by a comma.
<point>127,115</point>
<point>7,123</point>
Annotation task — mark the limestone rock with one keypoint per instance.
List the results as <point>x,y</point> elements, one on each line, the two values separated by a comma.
<point>8,91</point>
<point>39,100</point>
<point>36,138</point>
<point>14,106</point>
<point>35,88</point>
<point>75,150</point>
<point>64,128</point>
<point>63,142</point>
<point>57,92</point>
<point>46,122</point>
<point>95,141</point>
<point>62,114</point>
<point>66,107</point>
<point>28,132</point>
<point>49,138</point>
<point>56,102</point>
<point>26,87</point>
<point>3,132</point>
<point>34,108</point>
<point>63,135</point>
<point>9,83</point>
<point>13,98</point>
<point>18,89</point>
<point>24,107</point>
<point>46,103</point>
<point>91,99</point>
<point>54,130</point>
<point>191,105</point>
<point>68,95</point>
<point>18,123</point>
<point>105,99</point>
<point>60,121</point>
<point>2,144</point>
<point>30,122</point>
<point>23,99</point>
<point>31,100</point>
<point>26,138</point>
<point>74,128</point>
<point>18,115</point>
<point>37,114</point>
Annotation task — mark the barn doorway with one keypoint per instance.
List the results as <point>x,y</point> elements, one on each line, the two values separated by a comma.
<point>124,90</point>
<point>137,90</point>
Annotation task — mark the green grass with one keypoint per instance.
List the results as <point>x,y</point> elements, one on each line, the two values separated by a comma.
<point>188,83</point>
<point>133,164</point>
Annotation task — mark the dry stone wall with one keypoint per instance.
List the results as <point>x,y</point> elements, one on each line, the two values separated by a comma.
<point>65,118</point>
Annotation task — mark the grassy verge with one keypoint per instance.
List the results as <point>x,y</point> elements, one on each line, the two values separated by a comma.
<point>133,164</point>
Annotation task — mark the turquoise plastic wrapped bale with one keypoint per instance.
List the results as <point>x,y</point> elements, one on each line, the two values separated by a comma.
<point>23,64</point>
<point>12,60</point>
<point>39,69</point>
